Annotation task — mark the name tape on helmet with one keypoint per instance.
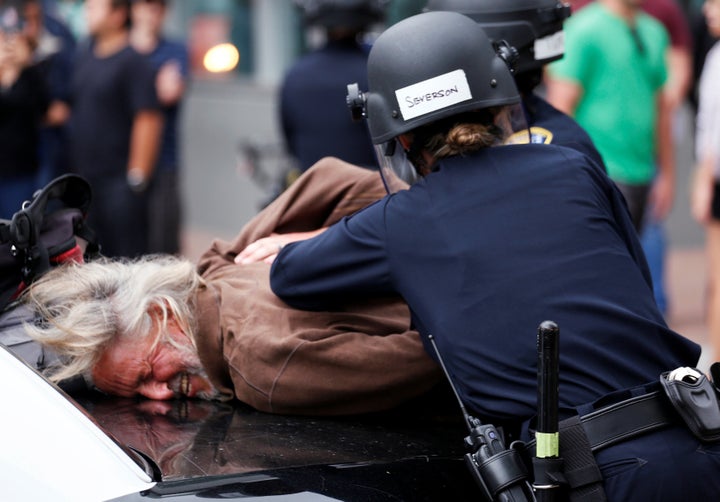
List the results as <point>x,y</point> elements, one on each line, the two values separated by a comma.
<point>550,46</point>
<point>433,94</point>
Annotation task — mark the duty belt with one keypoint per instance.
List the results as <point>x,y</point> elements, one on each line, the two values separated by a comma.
<point>623,420</point>
<point>582,436</point>
<point>629,418</point>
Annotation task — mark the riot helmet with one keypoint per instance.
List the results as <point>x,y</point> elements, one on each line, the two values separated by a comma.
<point>533,27</point>
<point>348,14</point>
<point>424,69</point>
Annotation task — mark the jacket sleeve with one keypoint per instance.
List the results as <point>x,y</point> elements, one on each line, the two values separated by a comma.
<point>324,194</point>
<point>365,360</point>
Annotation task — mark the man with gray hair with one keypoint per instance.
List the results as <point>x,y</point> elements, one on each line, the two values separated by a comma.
<point>160,327</point>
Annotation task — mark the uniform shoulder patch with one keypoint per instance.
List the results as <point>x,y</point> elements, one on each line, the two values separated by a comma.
<point>538,136</point>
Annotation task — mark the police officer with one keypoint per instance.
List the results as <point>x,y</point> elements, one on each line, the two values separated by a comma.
<point>496,238</point>
<point>314,115</point>
<point>534,28</point>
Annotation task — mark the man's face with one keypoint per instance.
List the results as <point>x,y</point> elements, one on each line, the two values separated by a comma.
<point>633,4</point>
<point>711,9</point>
<point>33,21</point>
<point>148,14</point>
<point>134,367</point>
<point>101,16</point>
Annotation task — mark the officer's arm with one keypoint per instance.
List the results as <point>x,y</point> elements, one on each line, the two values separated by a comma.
<point>346,262</point>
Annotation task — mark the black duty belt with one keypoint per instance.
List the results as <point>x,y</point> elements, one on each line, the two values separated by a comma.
<point>582,436</point>
<point>624,420</point>
<point>629,418</point>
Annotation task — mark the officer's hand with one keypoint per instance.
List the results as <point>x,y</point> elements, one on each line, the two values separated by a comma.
<point>267,248</point>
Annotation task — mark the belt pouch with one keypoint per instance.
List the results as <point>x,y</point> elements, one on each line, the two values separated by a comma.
<point>696,401</point>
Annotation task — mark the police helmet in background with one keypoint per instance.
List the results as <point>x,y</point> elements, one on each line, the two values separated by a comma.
<point>423,69</point>
<point>352,14</point>
<point>533,27</point>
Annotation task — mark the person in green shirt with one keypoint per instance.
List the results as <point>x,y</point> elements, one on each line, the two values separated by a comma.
<point>611,80</point>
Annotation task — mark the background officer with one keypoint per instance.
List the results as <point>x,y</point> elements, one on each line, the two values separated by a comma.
<point>535,29</point>
<point>314,116</point>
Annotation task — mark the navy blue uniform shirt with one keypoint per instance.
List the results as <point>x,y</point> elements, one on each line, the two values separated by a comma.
<point>316,121</point>
<point>485,249</point>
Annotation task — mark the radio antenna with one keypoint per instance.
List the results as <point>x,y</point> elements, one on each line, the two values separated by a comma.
<point>469,420</point>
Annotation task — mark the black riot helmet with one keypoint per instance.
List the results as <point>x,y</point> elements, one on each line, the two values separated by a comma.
<point>532,27</point>
<point>426,68</point>
<point>348,14</point>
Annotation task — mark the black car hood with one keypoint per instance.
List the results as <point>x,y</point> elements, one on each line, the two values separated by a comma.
<point>228,450</point>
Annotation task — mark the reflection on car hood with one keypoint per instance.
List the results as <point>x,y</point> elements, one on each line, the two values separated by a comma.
<point>209,450</point>
<point>193,438</point>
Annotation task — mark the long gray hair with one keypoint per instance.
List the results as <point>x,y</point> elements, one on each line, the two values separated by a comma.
<point>82,308</point>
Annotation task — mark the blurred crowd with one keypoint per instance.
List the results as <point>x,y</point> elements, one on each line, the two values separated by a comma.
<point>95,87</point>
<point>103,105</point>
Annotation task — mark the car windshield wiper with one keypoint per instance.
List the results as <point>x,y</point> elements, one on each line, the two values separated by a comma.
<point>145,462</point>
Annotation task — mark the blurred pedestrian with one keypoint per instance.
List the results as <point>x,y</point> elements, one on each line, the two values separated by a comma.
<point>675,91</point>
<point>116,124</point>
<point>611,79</point>
<point>170,60</point>
<point>680,75</point>
<point>53,52</point>
<point>23,102</point>
<point>314,116</point>
<point>706,188</point>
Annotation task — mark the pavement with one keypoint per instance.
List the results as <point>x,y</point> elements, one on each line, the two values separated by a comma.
<point>686,281</point>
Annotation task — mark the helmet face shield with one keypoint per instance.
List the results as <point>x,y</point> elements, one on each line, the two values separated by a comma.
<point>396,170</point>
<point>514,122</point>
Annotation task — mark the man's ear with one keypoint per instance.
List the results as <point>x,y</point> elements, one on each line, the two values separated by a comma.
<point>155,312</point>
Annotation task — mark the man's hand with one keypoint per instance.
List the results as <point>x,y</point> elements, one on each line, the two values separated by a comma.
<point>661,196</point>
<point>267,248</point>
<point>15,54</point>
<point>169,83</point>
<point>702,194</point>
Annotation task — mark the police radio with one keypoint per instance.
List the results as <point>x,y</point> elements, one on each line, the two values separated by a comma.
<point>500,472</point>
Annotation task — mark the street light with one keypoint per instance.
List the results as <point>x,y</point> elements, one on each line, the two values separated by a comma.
<point>221,58</point>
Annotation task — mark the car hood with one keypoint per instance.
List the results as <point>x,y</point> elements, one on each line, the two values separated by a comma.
<point>223,450</point>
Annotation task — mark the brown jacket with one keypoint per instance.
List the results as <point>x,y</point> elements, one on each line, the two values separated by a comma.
<point>278,359</point>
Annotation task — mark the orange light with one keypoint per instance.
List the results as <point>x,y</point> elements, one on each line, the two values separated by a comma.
<point>221,58</point>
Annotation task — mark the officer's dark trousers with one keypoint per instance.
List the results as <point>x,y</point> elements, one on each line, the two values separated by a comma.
<point>667,465</point>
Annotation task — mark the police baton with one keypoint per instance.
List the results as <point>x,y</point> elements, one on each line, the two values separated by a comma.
<point>547,456</point>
